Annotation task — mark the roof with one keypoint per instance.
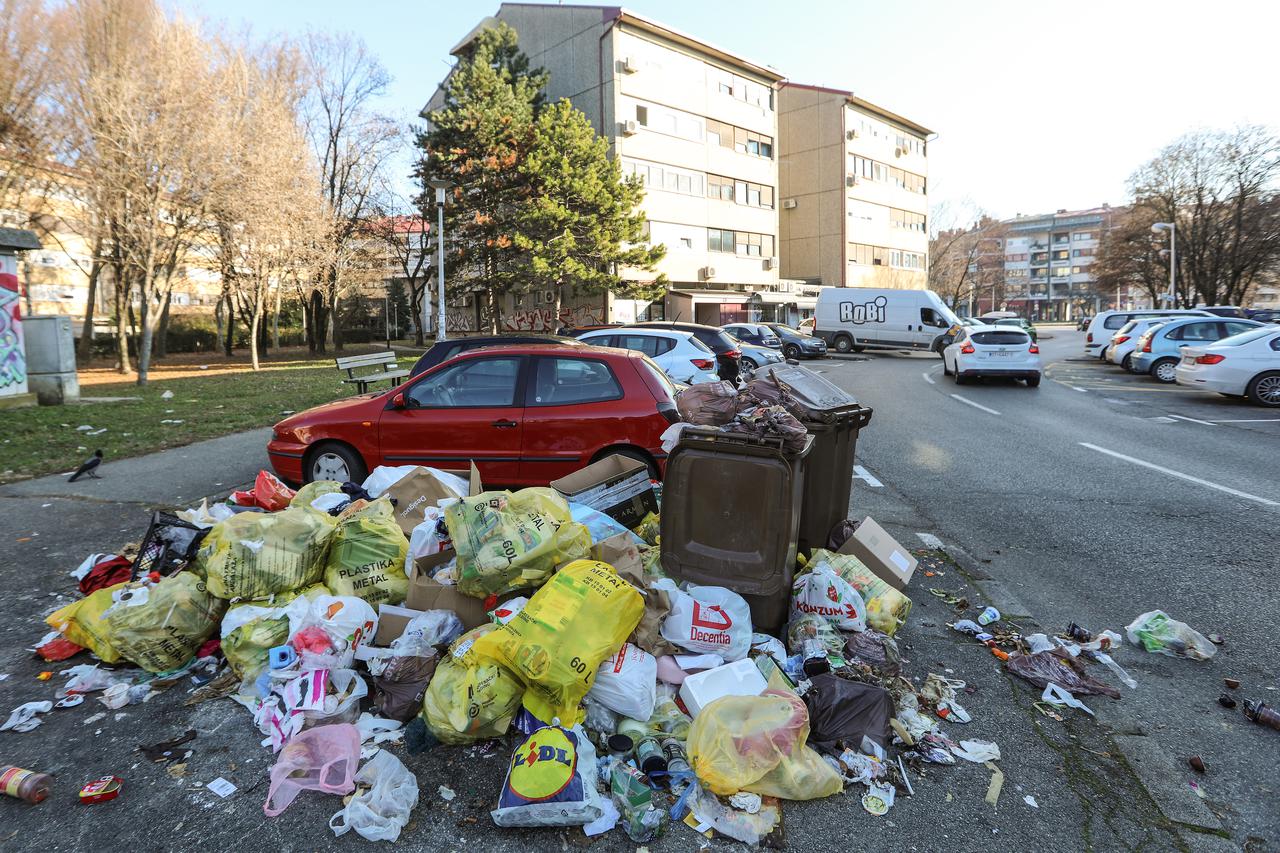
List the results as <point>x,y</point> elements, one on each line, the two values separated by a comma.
<point>622,15</point>
<point>854,100</point>
<point>18,238</point>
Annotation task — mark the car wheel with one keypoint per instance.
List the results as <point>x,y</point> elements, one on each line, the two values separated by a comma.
<point>1033,382</point>
<point>946,371</point>
<point>334,461</point>
<point>630,453</point>
<point>791,351</point>
<point>844,344</point>
<point>1264,390</point>
<point>1165,370</point>
<point>960,380</point>
<point>1127,363</point>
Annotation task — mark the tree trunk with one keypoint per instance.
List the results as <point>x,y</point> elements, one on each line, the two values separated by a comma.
<point>122,330</point>
<point>275,321</point>
<point>217,323</point>
<point>317,329</point>
<point>335,333</point>
<point>255,322</point>
<point>162,333</point>
<point>415,305</point>
<point>229,335</point>
<point>84,347</point>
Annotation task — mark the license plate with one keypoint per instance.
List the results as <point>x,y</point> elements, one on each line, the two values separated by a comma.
<point>1001,355</point>
<point>1188,359</point>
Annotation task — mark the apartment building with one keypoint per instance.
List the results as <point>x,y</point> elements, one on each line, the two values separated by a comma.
<point>854,180</point>
<point>699,125</point>
<point>1048,260</point>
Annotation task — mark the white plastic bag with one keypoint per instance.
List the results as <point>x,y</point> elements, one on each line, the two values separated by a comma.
<point>707,619</point>
<point>425,538</point>
<point>343,704</point>
<point>824,593</point>
<point>627,683</point>
<point>426,631</point>
<point>384,477</point>
<point>379,813</point>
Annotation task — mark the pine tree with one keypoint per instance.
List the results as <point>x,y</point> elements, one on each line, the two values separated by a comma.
<point>477,141</point>
<point>580,225</point>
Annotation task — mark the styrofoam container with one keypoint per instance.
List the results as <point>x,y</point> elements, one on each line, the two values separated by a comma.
<point>740,678</point>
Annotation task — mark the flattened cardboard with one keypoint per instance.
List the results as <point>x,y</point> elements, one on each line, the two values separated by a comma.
<point>621,552</point>
<point>881,553</point>
<point>427,594</point>
<point>414,493</point>
<point>617,485</point>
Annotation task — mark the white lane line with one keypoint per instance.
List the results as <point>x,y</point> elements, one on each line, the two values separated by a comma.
<point>975,405</point>
<point>928,378</point>
<point>1074,388</point>
<point>1249,421</point>
<point>930,541</point>
<point>1180,475</point>
<point>1193,420</point>
<point>1161,419</point>
<point>860,473</point>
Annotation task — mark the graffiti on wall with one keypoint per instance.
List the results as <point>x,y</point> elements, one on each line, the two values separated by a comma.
<point>13,356</point>
<point>547,320</point>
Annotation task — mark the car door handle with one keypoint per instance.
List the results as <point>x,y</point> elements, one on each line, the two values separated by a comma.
<point>504,424</point>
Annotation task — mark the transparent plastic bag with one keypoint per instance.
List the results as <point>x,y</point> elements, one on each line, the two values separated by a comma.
<point>1158,633</point>
<point>319,759</point>
<point>379,813</point>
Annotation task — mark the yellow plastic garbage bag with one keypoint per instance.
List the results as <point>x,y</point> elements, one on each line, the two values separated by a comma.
<point>470,697</point>
<point>513,540</point>
<point>887,608</point>
<point>305,495</point>
<point>81,623</point>
<point>257,554</point>
<point>367,553</point>
<point>558,640</point>
<point>758,744</point>
<point>160,626</point>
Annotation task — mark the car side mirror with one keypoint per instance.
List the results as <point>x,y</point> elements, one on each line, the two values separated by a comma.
<point>397,402</point>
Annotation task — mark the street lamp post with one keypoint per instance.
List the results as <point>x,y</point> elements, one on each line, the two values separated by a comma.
<point>440,185</point>
<point>1172,228</point>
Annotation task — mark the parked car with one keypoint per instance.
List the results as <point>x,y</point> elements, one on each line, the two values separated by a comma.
<point>681,356</point>
<point>525,414</point>
<point>1125,340</point>
<point>796,344</point>
<point>1234,311</point>
<point>851,319</point>
<point>1247,365</point>
<point>727,352</point>
<point>1105,323</point>
<point>805,326</point>
<point>1024,325</point>
<point>753,333</point>
<point>1083,322</point>
<point>442,351</point>
<point>755,357</point>
<point>992,351</point>
<point>1158,350</point>
<point>1264,315</point>
<point>574,331</point>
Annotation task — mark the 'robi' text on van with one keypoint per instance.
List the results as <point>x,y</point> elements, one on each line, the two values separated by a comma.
<point>872,311</point>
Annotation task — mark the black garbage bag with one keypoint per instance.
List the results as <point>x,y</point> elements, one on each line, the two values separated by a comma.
<point>846,711</point>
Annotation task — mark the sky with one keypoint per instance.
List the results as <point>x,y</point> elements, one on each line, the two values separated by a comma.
<point>1037,106</point>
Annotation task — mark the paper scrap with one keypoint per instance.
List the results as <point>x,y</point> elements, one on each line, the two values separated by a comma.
<point>447,793</point>
<point>221,787</point>
<point>1031,801</point>
<point>997,782</point>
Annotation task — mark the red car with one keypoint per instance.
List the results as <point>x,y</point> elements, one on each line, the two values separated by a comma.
<point>526,414</point>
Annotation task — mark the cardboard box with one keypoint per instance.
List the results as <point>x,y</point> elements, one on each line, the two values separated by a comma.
<point>618,486</point>
<point>621,552</point>
<point>418,490</point>
<point>427,594</point>
<point>881,553</point>
<point>392,621</point>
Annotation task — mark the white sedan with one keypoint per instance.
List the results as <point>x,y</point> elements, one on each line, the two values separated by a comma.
<point>1243,365</point>
<point>992,351</point>
<point>680,355</point>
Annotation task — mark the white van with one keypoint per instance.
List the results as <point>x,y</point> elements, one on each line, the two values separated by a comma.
<point>851,319</point>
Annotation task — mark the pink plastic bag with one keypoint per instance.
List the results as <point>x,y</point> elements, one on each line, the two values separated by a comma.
<point>321,759</point>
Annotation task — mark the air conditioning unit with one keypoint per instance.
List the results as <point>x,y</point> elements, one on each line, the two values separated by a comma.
<point>851,134</point>
<point>630,127</point>
<point>630,65</point>
<point>707,273</point>
<point>788,204</point>
<point>898,152</point>
<point>771,263</point>
<point>850,180</point>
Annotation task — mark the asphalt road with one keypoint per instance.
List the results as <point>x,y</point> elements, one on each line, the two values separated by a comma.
<point>1095,498</point>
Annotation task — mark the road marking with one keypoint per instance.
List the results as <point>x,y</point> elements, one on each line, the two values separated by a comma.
<point>1161,419</point>
<point>930,541</point>
<point>1193,420</point>
<point>928,378</point>
<point>975,405</point>
<point>1249,421</point>
<point>1180,475</point>
<point>860,473</point>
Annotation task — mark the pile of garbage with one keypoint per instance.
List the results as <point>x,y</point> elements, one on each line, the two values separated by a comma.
<point>417,606</point>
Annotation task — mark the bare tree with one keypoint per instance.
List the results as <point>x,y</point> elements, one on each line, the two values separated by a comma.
<point>405,238</point>
<point>1220,188</point>
<point>352,144</point>
<point>29,56</point>
<point>966,253</point>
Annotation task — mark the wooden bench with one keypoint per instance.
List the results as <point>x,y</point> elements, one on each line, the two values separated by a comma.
<point>384,364</point>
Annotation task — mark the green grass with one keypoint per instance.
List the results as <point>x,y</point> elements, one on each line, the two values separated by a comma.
<point>42,440</point>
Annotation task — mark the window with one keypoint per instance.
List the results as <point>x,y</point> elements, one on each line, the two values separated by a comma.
<point>1061,271</point>
<point>642,114</point>
<point>475,383</point>
<point>565,381</point>
<point>1236,328</point>
<point>669,121</point>
<point>1060,254</point>
<point>1022,256</point>
<point>932,318</point>
<point>743,192</point>
<point>1077,270</point>
<point>719,240</point>
<point>1080,236</point>
<point>906,219</point>
<point>650,345</point>
<point>726,88</point>
<point>667,178</point>
<point>1060,238</point>
<point>720,187</point>
<point>1199,332</point>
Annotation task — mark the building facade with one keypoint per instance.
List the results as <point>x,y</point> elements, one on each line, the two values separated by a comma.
<point>1048,263</point>
<point>854,191</point>
<point>699,125</point>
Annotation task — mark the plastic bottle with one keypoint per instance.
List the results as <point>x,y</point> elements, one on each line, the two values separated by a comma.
<point>24,784</point>
<point>1258,711</point>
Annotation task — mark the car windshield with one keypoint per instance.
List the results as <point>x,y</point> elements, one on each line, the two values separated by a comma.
<point>1001,337</point>
<point>1245,337</point>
